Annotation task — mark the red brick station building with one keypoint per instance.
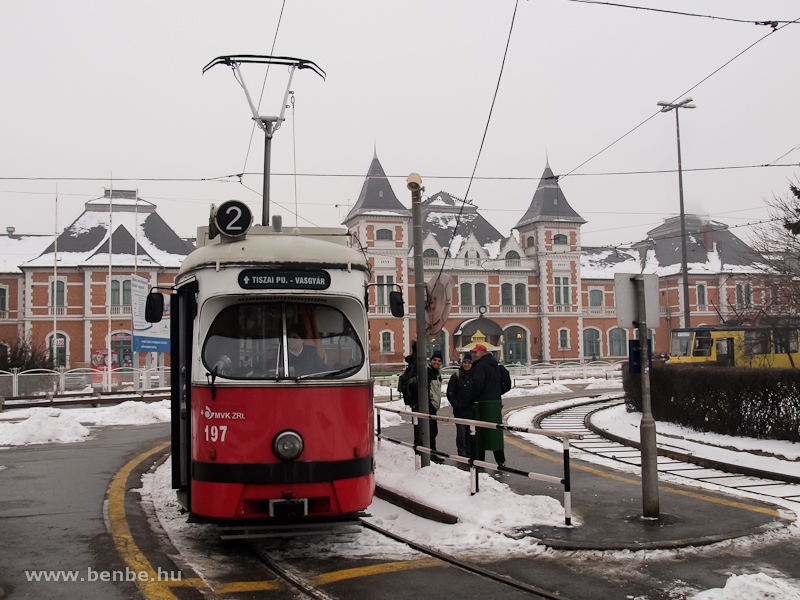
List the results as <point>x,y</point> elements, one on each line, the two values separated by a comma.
<point>535,295</point>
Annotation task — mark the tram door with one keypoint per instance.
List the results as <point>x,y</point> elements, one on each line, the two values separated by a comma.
<point>725,351</point>
<point>183,307</point>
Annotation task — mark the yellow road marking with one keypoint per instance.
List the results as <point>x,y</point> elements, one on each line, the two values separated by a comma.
<point>147,577</point>
<point>246,586</point>
<point>391,567</point>
<point>750,507</point>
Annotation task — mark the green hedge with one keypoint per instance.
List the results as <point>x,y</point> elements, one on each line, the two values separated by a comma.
<point>740,401</point>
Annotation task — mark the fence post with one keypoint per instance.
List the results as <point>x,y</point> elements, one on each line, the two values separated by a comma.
<point>473,470</point>
<point>15,381</point>
<point>567,491</point>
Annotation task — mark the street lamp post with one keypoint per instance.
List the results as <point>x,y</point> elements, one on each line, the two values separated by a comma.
<point>666,107</point>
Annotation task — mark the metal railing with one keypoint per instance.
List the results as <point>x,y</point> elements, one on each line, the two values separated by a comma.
<point>44,382</point>
<point>475,464</point>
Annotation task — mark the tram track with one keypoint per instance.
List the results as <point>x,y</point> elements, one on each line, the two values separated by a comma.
<point>310,584</point>
<point>671,459</point>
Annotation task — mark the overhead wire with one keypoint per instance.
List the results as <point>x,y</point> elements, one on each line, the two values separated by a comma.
<point>703,80</point>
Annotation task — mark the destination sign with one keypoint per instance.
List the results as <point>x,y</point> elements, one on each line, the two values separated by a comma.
<point>269,279</point>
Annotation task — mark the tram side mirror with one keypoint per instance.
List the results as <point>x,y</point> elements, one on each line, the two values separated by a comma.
<point>396,303</point>
<point>154,307</point>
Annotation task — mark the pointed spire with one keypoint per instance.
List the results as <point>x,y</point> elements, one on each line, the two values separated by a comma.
<point>376,195</point>
<point>549,203</point>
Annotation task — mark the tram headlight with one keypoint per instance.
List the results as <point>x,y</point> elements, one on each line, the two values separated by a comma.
<point>287,445</point>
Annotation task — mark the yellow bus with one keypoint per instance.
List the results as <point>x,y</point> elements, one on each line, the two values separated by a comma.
<point>736,346</point>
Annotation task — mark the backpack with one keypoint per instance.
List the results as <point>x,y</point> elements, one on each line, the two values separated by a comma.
<point>505,379</point>
<point>406,385</point>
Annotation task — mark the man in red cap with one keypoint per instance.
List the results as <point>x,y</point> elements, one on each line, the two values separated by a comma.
<point>486,393</point>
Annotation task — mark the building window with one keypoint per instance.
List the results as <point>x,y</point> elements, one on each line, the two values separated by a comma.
<point>560,239</point>
<point>702,303</point>
<point>530,242</point>
<point>561,290</point>
<point>430,257</point>
<point>3,302</point>
<point>385,285</point>
<point>744,298</point>
<point>512,258</point>
<point>563,339</point>
<point>57,351</point>
<point>591,343</point>
<point>618,342</point>
<point>58,296</point>
<point>480,294</point>
<point>386,342</point>
<point>520,294</point>
<point>506,294</point>
<point>471,258</point>
<point>595,297</point>
<point>466,294</point>
<point>123,298</point>
<point>383,234</point>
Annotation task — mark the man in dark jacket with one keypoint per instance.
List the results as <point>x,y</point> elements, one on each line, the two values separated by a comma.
<point>459,394</point>
<point>486,393</point>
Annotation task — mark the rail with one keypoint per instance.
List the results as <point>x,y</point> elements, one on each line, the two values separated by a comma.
<point>475,464</point>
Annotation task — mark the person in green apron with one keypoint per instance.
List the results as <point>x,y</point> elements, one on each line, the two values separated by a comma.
<point>486,393</point>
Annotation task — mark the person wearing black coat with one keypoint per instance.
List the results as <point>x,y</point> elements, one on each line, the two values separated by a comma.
<point>459,394</point>
<point>486,397</point>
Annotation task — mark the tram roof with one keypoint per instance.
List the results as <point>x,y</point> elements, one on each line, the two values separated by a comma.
<point>266,249</point>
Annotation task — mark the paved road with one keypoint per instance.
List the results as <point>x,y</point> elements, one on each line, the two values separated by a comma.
<point>51,514</point>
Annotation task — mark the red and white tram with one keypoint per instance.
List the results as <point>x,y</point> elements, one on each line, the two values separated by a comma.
<point>272,414</point>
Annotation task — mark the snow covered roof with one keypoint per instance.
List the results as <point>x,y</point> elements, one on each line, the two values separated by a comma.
<point>17,249</point>
<point>549,203</point>
<point>439,218</point>
<point>86,241</point>
<point>603,263</point>
<point>377,196</point>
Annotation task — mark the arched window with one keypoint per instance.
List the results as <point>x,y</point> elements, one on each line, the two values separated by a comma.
<point>591,343</point>
<point>57,296</point>
<point>480,294</point>
<point>506,294</point>
<point>530,242</point>
<point>383,234</point>
<point>466,294</point>
<point>563,339</point>
<point>520,294</point>
<point>386,342</point>
<point>618,342</point>
<point>512,255</point>
<point>560,239</point>
<point>430,257</point>
<point>595,297</point>
<point>58,350</point>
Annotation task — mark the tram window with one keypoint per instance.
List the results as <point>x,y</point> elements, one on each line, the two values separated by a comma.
<point>702,344</point>
<point>756,342</point>
<point>246,342</point>
<point>681,342</point>
<point>783,338</point>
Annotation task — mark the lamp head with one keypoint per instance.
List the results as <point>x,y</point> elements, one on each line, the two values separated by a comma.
<point>414,182</point>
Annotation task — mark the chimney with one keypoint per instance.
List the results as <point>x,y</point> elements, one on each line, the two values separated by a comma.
<point>707,236</point>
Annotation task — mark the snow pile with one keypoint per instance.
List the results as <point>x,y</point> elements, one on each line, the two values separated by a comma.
<point>128,413</point>
<point>542,390</point>
<point>751,587</point>
<point>445,487</point>
<point>43,428</point>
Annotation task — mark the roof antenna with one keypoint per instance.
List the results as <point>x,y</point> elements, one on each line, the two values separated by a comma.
<point>269,125</point>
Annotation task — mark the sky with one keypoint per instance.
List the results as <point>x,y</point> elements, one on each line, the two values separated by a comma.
<point>99,94</point>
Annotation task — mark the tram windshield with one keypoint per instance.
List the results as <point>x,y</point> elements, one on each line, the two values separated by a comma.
<point>681,343</point>
<point>282,340</point>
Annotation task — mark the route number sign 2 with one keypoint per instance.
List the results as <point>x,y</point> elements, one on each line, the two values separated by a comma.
<point>233,218</point>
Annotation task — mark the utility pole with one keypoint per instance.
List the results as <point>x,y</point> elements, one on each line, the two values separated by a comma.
<point>666,107</point>
<point>414,183</point>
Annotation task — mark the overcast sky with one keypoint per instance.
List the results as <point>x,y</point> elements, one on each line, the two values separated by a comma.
<point>102,90</point>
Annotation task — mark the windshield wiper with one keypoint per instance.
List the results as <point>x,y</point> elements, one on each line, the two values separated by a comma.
<point>325,374</point>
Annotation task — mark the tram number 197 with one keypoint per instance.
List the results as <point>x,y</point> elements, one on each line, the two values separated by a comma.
<point>214,433</point>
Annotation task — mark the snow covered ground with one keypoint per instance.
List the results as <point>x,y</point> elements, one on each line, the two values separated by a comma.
<point>485,519</point>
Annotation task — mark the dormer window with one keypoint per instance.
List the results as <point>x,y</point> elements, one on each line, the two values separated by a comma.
<point>560,239</point>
